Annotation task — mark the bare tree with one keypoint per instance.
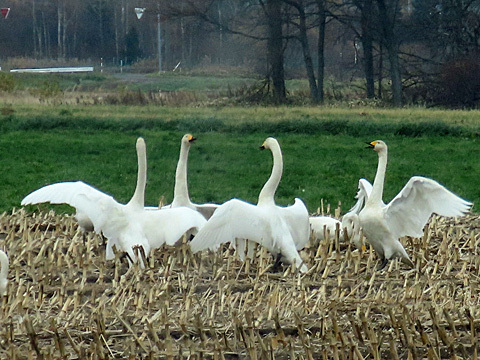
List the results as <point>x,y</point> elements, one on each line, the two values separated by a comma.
<point>273,12</point>
<point>299,6</point>
<point>387,22</point>
<point>366,8</point>
<point>322,20</point>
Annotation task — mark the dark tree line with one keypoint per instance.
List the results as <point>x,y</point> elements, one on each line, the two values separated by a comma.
<point>421,46</point>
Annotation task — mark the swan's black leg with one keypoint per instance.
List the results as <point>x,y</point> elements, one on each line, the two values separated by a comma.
<point>276,266</point>
<point>382,264</point>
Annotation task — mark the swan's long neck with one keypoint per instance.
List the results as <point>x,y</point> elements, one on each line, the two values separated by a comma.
<point>180,192</point>
<point>377,189</point>
<point>138,198</point>
<point>268,191</point>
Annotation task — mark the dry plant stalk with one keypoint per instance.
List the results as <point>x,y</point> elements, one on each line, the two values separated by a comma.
<point>65,301</point>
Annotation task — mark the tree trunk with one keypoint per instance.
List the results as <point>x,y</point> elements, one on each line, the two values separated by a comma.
<point>34,26</point>
<point>59,29</point>
<point>46,37</point>
<point>117,33</point>
<point>275,50</point>
<point>380,72</point>
<point>321,49</point>
<point>64,34</point>
<point>391,44</point>
<point>367,44</point>
<point>307,58</point>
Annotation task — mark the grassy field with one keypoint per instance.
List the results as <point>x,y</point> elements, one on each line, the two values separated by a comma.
<point>324,151</point>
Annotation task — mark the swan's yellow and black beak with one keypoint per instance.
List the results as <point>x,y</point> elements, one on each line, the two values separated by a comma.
<point>371,145</point>
<point>262,147</point>
<point>191,138</point>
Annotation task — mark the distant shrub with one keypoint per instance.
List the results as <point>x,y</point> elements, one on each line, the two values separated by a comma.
<point>7,82</point>
<point>144,66</point>
<point>65,112</point>
<point>7,110</point>
<point>461,83</point>
<point>457,85</point>
<point>127,98</point>
<point>47,90</point>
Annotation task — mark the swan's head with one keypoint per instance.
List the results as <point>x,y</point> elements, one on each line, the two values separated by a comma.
<point>188,139</point>
<point>377,145</point>
<point>268,143</point>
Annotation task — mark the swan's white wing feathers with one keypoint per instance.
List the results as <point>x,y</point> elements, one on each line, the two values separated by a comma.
<point>364,190</point>
<point>296,217</point>
<point>233,219</point>
<point>167,226</point>
<point>95,204</point>
<point>63,193</point>
<point>409,211</point>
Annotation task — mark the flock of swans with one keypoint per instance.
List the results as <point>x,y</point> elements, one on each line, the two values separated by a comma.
<point>283,231</point>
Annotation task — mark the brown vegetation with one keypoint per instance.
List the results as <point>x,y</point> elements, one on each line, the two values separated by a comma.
<point>66,302</point>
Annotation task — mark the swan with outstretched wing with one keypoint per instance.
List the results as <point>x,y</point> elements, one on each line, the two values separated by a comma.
<point>407,214</point>
<point>124,225</point>
<point>282,230</point>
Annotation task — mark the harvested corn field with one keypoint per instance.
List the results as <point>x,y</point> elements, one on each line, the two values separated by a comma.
<point>65,301</point>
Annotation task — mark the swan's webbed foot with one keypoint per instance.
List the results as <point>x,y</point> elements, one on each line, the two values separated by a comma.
<point>278,263</point>
<point>382,264</point>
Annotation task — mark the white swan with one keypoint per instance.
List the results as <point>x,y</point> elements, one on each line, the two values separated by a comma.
<point>282,230</point>
<point>407,213</point>
<point>3,273</point>
<point>324,225</point>
<point>181,196</point>
<point>350,221</point>
<point>124,226</point>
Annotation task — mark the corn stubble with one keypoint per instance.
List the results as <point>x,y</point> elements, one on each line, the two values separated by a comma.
<point>66,302</point>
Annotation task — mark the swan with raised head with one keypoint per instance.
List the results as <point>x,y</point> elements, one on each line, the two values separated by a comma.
<point>407,214</point>
<point>124,225</point>
<point>282,230</point>
<point>3,273</point>
<point>181,196</point>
